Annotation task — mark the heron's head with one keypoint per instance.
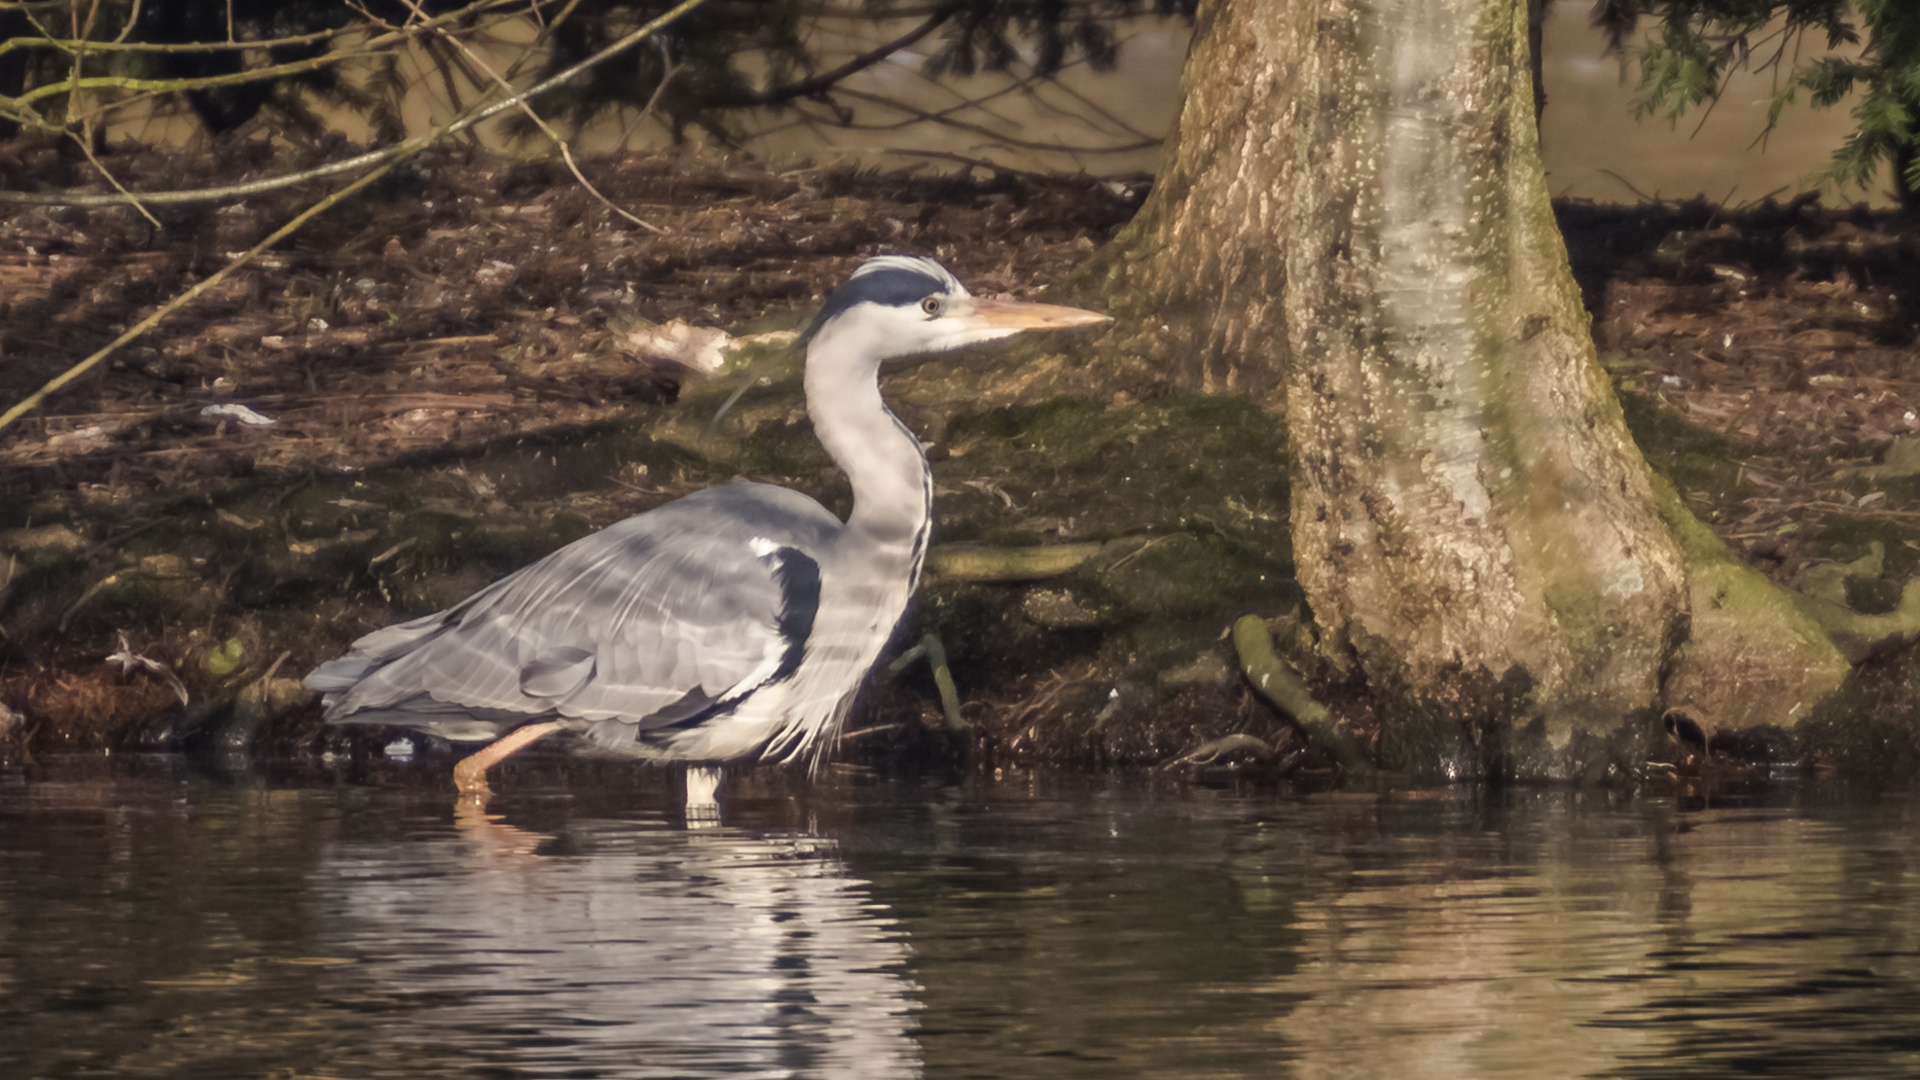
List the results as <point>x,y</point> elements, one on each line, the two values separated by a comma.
<point>898,305</point>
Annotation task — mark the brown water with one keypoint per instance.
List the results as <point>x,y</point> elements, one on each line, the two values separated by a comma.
<point>155,921</point>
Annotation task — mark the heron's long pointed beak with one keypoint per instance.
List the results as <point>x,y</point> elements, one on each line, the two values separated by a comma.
<point>1013,316</point>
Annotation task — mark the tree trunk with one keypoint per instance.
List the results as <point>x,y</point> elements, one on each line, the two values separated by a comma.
<point>1195,281</point>
<point>1353,212</point>
<point>1469,510</point>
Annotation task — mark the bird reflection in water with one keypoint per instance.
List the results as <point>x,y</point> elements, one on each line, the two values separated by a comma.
<point>625,949</point>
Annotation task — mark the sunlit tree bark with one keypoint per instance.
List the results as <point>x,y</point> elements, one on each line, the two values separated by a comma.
<point>1468,506</point>
<point>1354,224</point>
<point>1197,277</point>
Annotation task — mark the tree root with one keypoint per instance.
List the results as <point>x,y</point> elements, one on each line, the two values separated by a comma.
<point>987,564</point>
<point>1820,592</point>
<point>1277,681</point>
<point>1755,654</point>
<point>1210,753</point>
<point>1859,636</point>
<point>930,648</point>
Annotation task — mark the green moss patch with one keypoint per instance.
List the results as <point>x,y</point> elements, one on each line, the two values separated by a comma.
<point>1083,469</point>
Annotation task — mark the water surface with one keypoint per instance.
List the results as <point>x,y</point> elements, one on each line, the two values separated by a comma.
<point>158,922</point>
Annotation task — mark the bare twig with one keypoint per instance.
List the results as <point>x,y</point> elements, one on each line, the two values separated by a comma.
<point>395,155</point>
<point>962,104</point>
<point>1629,185</point>
<point>120,44</point>
<point>1091,105</point>
<point>669,71</point>
<point>828,79</point>
<point>77,82</point>
<point>133,19</point>
<point>1009,170</point>
<point>566,151</point>
<point>1005,140</point>
<point>406,147</point>
<point>33,400</point>
<point>20,108</point>
<point>84,137</point>
<point>171,198</point>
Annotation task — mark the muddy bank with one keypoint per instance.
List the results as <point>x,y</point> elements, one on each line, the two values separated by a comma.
<point>459,378</point>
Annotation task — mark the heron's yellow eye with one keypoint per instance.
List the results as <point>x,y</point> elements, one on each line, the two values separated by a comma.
<point>932,305</point>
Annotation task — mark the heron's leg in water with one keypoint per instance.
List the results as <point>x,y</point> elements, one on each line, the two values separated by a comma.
<point>470,776</point>
<point>702,782</point>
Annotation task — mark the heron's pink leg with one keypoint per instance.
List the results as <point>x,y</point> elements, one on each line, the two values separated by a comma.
<point>470,776</point>
<point>702,782</point>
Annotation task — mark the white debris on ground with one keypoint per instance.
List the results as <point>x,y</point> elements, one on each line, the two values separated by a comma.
<point>241,413</point>
<point>697,348</point>
<point>131,661</point>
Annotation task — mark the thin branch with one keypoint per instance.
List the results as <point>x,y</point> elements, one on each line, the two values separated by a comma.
<point>133,19</point>
<point>1007,140</point>
<point>371,46</point>
<point>826,80</point>
<point>860,13</point>
<point>540,40</point>
<point>122,45</point>
<point>566,152</point>
<point>1712,103</point>
<point>85,138</point>
<point>962,103</point>
<point>398,154</point>
<point>444,65</point>
<point>133,84</point>
<point>965,104</point>
<point>1095,107</point>
<point>359,161</point>
<point>863,14</point>
<point>32,401</point>
<point>1024,84</point>
<point>28,118</point>
<point>1629,185</point>
<point>1008,170</point>
<point>174,198</point>
<point>669,69</point>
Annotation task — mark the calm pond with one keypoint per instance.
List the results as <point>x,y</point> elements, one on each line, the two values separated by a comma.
<point>158,922</point>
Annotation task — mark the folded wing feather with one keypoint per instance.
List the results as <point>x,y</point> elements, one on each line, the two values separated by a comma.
<point>679,605</point>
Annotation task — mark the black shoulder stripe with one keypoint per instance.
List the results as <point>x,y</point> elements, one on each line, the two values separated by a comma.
<point>917,558</point>
<point>799,579</point>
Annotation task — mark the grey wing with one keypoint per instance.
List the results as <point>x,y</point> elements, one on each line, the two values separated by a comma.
<point>654,620</point>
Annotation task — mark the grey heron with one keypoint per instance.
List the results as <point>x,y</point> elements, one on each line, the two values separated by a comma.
<point>734,624</point>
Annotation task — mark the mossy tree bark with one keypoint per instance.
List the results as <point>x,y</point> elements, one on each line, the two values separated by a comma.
<point>1468,506</point>
<point>1195,281</point>
<point>1353,220</point>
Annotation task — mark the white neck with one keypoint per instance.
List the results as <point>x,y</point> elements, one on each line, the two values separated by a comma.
<point>891,481</point>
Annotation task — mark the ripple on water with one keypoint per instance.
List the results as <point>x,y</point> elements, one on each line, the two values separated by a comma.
<point>153,923</point>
